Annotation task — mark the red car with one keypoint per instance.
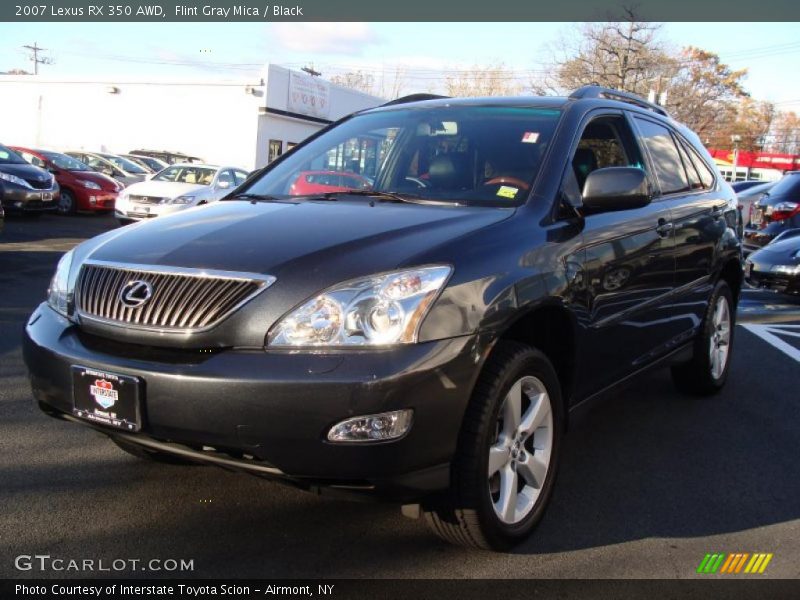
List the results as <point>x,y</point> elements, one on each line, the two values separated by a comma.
<point>320,182</point>
<point>81,188</point>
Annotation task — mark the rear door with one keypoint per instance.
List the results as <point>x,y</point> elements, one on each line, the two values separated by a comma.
<point>698,208</point>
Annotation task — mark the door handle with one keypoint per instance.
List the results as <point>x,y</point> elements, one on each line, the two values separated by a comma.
<point>664,227</point>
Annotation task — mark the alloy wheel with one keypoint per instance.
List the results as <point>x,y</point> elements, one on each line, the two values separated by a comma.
<point>519,456</point>
<point>719,344</point>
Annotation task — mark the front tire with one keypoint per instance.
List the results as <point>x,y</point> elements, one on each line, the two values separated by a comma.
<point>508,450</point>
<point>706,373</point>
<point>66,203</point>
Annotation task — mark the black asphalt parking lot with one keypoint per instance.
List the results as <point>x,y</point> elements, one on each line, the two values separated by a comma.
<point>650,481</point>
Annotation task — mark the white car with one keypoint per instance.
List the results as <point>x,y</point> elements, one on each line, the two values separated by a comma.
<point>175,188</point>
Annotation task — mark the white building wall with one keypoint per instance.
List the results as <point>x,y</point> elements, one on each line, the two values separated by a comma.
<point>214,120</point>
<point>220,120</point>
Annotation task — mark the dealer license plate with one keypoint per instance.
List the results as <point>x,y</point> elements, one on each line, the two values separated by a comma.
<point>107,398</point>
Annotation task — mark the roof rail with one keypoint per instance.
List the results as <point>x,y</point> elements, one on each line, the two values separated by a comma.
<point>414,98</point>
<point>598,91</point>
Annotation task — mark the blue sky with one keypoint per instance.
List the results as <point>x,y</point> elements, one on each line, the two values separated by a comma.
<point>768,50</point>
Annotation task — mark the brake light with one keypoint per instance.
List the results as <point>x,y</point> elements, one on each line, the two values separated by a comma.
<point>784,210</point>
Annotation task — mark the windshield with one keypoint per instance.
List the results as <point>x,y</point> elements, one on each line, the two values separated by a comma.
<point>62,161</point>
<point>481,155</point>
<point>9,157</point>
<point>788,184</point>
<point>186,174</point>
<point>124,164</point>
<point>150,162</point>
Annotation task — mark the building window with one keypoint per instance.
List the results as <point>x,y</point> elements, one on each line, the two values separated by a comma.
<point>275,149</point>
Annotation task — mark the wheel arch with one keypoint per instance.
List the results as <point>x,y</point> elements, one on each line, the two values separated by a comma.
<point>733,275</point>
<point>550,328</point>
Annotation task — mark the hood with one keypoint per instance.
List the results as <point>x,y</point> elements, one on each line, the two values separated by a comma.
<point>782,248</point>
<point>337,239</point>
<point>108,184</point>
<point>164,189</point>
<point>26,172</point>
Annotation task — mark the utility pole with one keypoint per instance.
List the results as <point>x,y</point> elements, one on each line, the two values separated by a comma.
<point>35,49</point>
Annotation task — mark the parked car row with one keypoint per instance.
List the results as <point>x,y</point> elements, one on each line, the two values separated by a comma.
<point>34,180</point>
<point>775,211</point>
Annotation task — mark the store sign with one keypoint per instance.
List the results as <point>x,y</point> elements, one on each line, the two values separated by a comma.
<point>309,95</point>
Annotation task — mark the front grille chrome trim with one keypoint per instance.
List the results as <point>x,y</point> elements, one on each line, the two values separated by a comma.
<point>186,301</point>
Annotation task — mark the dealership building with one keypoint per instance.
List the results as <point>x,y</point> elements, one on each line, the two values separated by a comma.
<point>246,122</point>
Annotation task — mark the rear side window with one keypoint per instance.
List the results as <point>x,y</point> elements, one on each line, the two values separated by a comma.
<point>700,166</point>
<point>664,154</point>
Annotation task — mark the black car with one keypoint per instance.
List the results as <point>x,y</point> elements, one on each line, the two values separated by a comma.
<point>777,265</point>
<point>422,341</point>
<point>773,213</point>
<point>23,187</point>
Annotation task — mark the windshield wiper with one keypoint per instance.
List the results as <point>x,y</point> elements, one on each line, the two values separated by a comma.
<point>254,197</point>
<point>383,196</point>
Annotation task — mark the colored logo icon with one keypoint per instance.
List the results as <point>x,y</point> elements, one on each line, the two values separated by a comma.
<point>737,562</point>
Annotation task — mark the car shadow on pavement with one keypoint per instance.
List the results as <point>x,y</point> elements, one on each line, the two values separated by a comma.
<point>652,463</point>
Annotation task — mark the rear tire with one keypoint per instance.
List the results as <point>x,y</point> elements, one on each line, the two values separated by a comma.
<point>153,455</point>
<point>706,373</point>
<point>505,466</point>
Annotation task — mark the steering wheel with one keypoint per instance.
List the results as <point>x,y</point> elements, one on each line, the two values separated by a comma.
<point>420,182</point>
<point>503,180</point>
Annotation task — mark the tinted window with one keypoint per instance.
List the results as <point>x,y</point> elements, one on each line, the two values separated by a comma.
<point>8,156</point>
<point>62,161</point>
<point>789,184</point>
<point>664,154</point>
<point>695,182</point>
<point>605,142</point>
<point>240,176</point>
<point>34,160</point>
<point>703,170</point>
<point>482,155</point>
<point>186,174</point>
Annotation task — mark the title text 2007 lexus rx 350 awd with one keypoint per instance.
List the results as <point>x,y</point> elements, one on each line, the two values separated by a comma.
<point>422,340</point>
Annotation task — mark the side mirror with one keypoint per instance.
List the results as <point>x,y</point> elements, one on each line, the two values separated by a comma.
<point>616,188</point>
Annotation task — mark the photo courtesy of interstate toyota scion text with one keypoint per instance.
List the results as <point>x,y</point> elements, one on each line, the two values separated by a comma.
<point>409,305</point>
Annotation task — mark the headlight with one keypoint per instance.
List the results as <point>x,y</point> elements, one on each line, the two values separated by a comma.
<point>373,311</point>
<point>183,200</point>
<point>59,296</point>
<point>15,179</point>
<point>786,269</point>
<point>90,185</point>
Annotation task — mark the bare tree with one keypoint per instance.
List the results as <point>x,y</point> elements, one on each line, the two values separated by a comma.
<point>491,80</point>
<point>356,80</point>
<point>625,55</point>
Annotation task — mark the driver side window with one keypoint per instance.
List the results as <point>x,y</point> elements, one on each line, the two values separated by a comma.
<point>605,142</point>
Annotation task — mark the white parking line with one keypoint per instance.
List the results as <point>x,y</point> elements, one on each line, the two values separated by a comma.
<point>769,332</point>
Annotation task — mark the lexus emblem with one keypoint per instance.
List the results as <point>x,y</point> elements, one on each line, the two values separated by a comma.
<point>135,293</point>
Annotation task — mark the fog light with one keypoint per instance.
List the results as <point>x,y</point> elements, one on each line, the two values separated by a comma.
<point>372,428</point>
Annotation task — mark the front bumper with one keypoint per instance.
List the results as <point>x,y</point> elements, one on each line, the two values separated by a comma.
<point>19,199</point>
<point>130,211</point>
<point>761,276</point>
<point>277,407</point>
<point>97,200</point>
